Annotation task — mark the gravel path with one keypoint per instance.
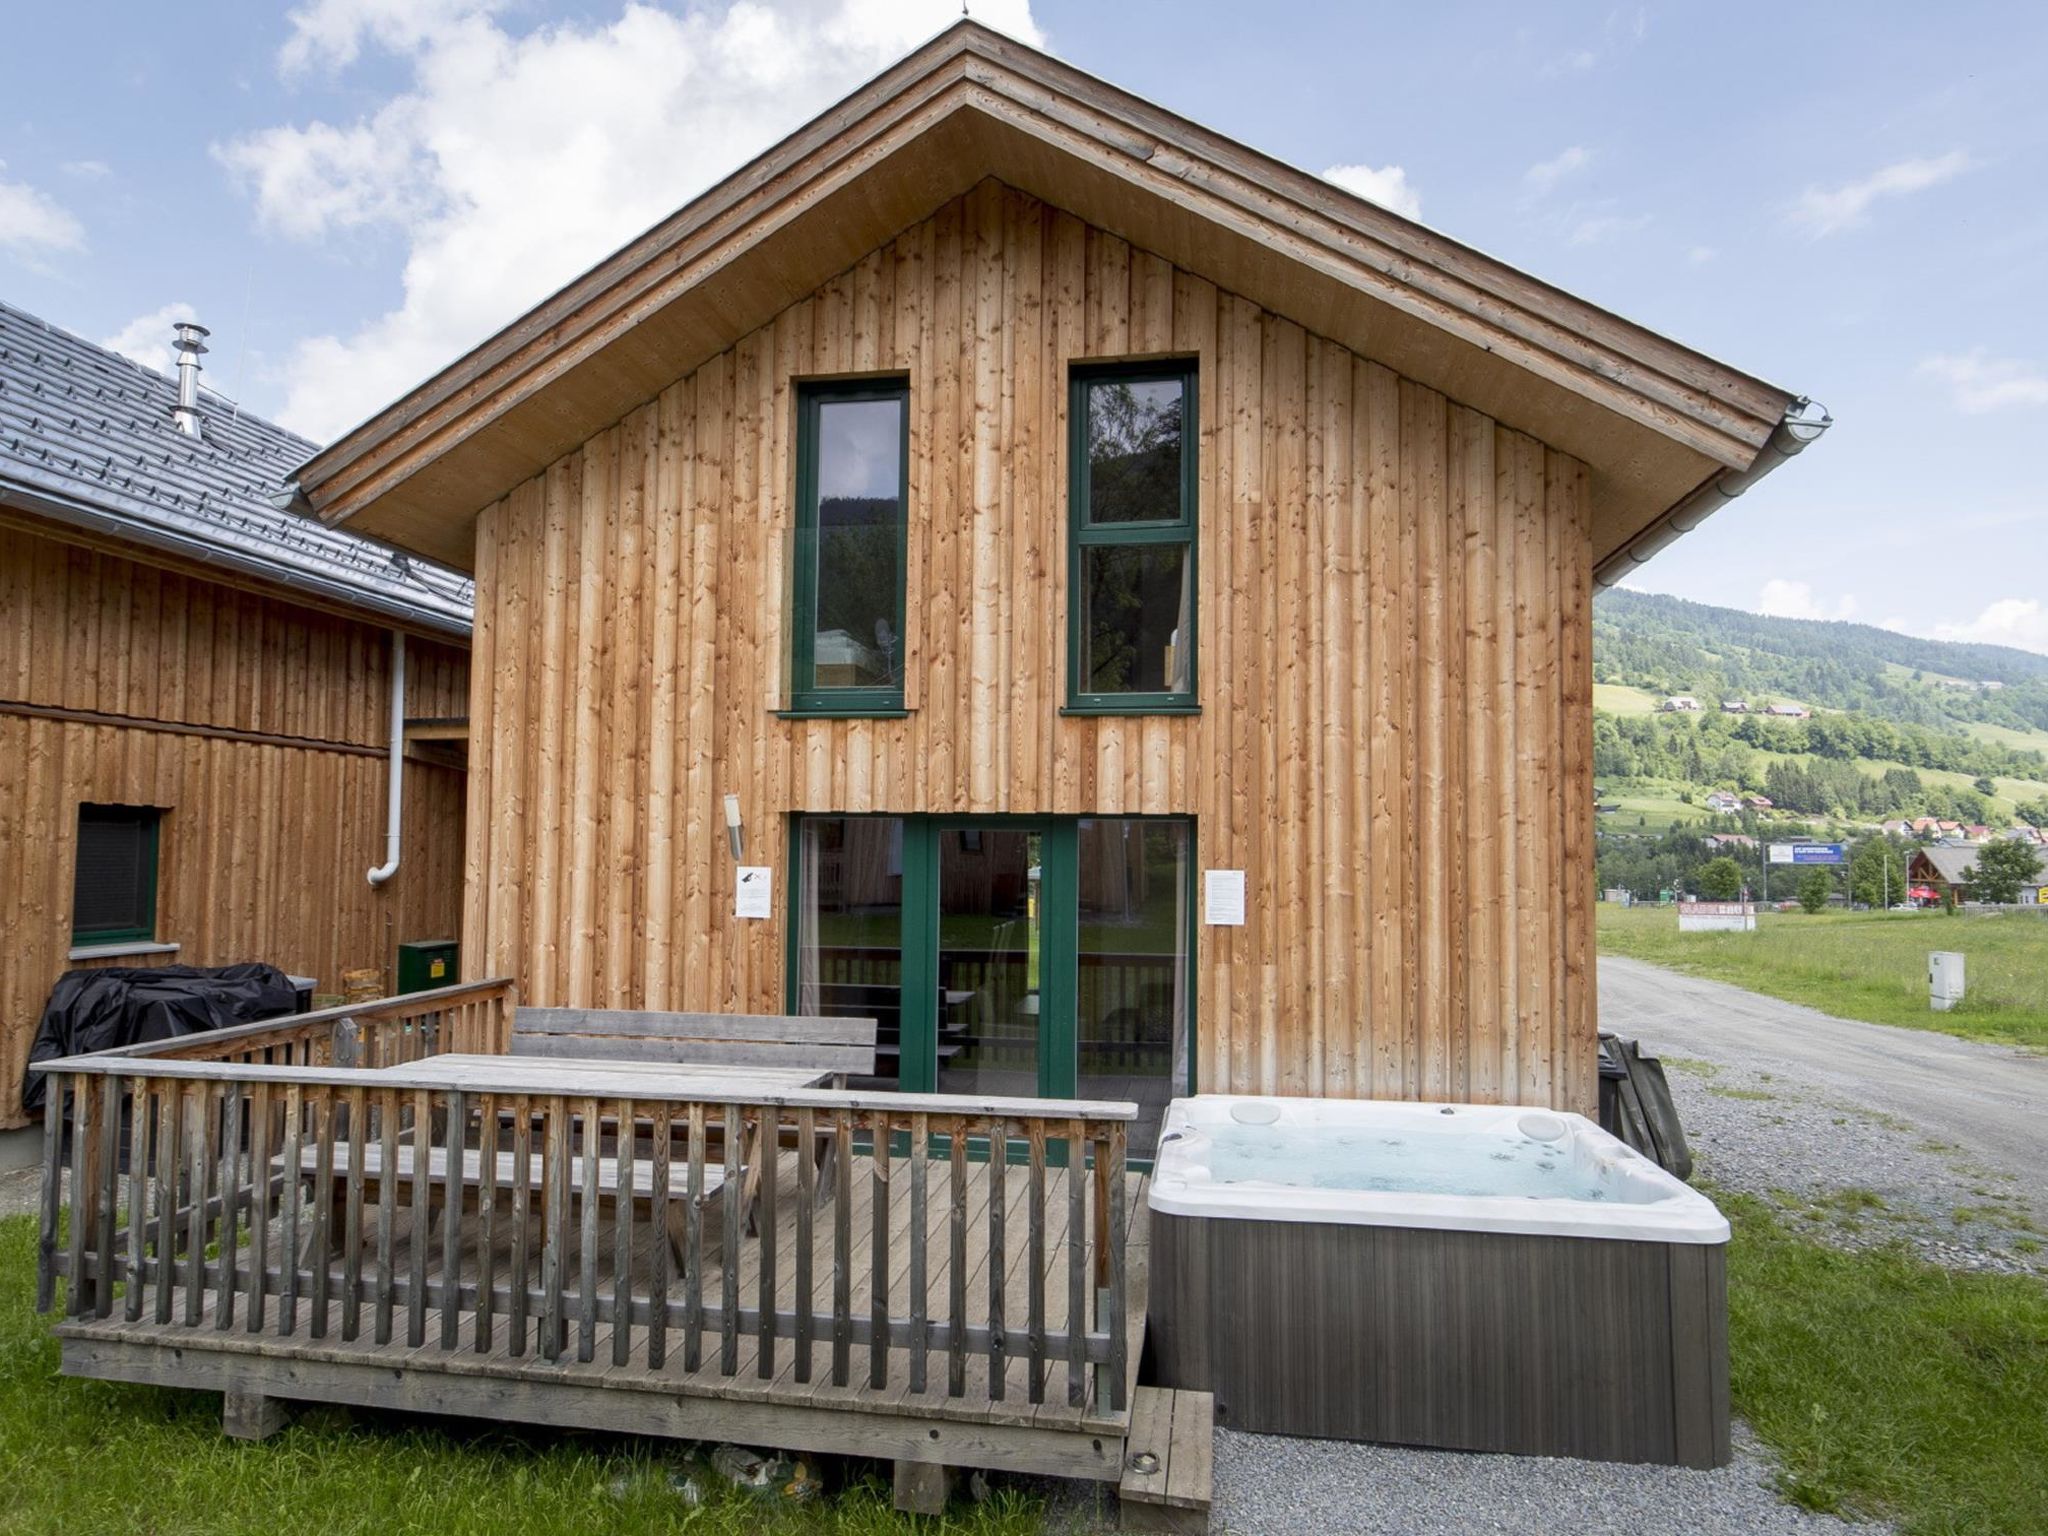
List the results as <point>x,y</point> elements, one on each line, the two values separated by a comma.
<point>1855,1126</point>
<point>1266,1484</point>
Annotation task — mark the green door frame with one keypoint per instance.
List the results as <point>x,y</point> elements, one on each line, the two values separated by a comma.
<point>1059,957</point>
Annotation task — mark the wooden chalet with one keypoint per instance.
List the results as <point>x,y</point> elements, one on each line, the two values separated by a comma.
<point>195,697</point>
<point>1103,612</point>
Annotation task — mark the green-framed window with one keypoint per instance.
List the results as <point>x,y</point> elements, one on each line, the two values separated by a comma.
<point>1131,554</point>
<point>853,479</point>
<point>114,888</point>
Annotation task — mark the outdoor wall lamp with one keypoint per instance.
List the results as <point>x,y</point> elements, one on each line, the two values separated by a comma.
<point>732,826</point>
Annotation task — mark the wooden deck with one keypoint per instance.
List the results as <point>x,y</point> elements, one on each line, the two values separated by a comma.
<point>845,1273</point>
<point>775,1379</point>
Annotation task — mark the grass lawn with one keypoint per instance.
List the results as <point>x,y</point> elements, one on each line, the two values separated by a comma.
<point>1887,1385</point>
<point>1862,965</point>
<point>1620,699</point>
<point>1647,805</point>
<point>95,1456</point>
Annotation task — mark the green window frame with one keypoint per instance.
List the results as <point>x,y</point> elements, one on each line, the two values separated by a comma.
<point>1085,534</point>
<point>117,846</point>
<point>807,697</point>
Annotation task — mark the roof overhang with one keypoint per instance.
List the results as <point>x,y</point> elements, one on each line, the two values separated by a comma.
<point>1655,423</point>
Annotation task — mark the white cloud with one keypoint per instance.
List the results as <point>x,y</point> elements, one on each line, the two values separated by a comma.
<point>34,225</point>
<point>147,338</point>
<point>1592,228</point>
<point>2015,621</point>
<point>1978,383</point>
<point>1545,174</point>
<point>1387,185</point>
<point>1828,210</point>
<point>1795,600</point>
<point>1700,255</point>
<point>513,160</point>
<point>87,170</point>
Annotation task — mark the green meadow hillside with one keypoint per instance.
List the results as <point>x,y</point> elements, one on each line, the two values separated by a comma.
<point>1890,727</point>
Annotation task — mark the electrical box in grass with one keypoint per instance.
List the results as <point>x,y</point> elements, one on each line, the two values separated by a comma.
<point>425,964</point>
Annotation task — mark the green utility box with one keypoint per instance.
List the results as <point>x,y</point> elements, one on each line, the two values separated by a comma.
<point>428,963</point>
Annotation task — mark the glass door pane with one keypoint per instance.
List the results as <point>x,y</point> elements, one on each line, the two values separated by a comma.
<point>989,972</point>
<point>1133,1007</point>
<point>849,957</point>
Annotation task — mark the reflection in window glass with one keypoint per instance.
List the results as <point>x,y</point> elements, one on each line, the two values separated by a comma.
<point>855,584</point>
<point>1134,445</point>
<point>1134,615</point>
<point>850,931</point>
<point>1133,1005</point>
<point>989,953</point>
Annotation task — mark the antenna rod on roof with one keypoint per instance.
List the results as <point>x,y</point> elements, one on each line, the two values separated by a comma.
<point>189,339</point>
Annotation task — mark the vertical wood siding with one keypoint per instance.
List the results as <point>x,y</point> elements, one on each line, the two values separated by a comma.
<point>264,847</point>
<point>1395,669</point>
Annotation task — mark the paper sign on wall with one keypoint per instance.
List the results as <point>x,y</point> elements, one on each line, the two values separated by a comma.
<point>753,891</point>
<point>1223,897</point>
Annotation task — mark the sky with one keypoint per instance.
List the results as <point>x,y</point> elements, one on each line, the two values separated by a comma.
<point>1851,202</point>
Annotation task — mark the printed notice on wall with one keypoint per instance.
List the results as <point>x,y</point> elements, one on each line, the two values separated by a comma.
<point>1223,897</point>
<point>752,893</point>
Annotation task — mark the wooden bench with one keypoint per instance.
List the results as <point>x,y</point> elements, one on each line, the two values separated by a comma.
<point>834,1047</point>
<point>1169,1462</point>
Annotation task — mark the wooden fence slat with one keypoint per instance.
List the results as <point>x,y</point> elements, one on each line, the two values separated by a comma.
<point>487,1132</point>
<point>622,1233</point>
<point>769,1140</point>
<point>842,1246</point>
<point>731,1193</point>
<point>586,1270</point>
<point>262,1137</point>
<point>82,1120</point>
<point>454,1138</point>
<point>554,1223</point>
<point>878,1259</point>
<point>231,1204</point>
<point>920,1320</point>
<point>1077,1258</point>
<point>323,1211</point>
<point>1035,1283</point>
<point>659,1240</point>
<point>806,1221</point>
<point>693,1247</point>
<point>522,1238</point>
<point>52,1193</point>
<point>106,1179</point>
<point>419,1234</point>
<point>142,1119</point>
<point>170,1184</point>
<point>956,1262</point>
<point>199,1141</point>
<point>998,1265</point>
<point>388,1116</point>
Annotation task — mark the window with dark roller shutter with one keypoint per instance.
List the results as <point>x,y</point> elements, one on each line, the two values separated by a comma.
<point>114,898</point>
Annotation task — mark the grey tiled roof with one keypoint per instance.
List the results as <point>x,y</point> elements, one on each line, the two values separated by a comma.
<point>86,435</point>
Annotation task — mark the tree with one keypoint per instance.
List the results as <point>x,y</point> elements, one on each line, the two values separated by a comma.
<point>1815,889</point>
<point>2002,868</point>
<point>1877,873</point>
<point>1984,786</point>
<point>1720,879</point>
<point>2033,812</point>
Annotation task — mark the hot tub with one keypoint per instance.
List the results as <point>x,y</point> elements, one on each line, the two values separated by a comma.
<point>1454,1275</point>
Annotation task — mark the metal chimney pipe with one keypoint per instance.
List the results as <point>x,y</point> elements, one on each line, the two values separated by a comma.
<point>189,338</point>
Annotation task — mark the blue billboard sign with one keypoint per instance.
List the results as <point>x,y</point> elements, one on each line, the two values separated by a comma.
<point>1809,853</point>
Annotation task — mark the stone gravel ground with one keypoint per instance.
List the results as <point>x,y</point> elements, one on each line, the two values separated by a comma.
<point>1853,1177</point>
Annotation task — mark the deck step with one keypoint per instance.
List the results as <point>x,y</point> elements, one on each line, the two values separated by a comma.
<point>1169,1461</point>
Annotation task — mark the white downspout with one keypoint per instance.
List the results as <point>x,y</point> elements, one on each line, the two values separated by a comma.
<point>394,817</point>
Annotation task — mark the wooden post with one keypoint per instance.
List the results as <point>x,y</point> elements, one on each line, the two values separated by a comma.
<point>923,1487</point>
<point>250,1415</point>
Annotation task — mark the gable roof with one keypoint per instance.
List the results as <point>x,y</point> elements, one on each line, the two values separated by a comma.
<point>1666,432</point>
<point>1957,863</point>
<point>86,438</point>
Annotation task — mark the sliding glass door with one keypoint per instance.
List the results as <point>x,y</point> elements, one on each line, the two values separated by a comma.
<point>1003,956</point>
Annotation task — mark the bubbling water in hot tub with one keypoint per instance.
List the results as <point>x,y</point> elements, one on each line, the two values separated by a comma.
<point>1508,1163</point>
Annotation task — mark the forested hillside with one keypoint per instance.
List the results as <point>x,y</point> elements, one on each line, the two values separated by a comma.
<point>1668,645</point>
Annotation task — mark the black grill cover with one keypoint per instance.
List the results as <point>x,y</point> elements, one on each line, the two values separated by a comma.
<point>96,1010</point>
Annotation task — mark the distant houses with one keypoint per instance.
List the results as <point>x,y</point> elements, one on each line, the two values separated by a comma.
<point>1680,703</point>
<point>1952,867</point>
<point>1735,706</point>
<point>1788,711</point>
<point>1723,802</point>
<point>1721,842</point>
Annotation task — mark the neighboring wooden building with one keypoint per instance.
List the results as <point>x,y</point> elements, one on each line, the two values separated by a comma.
<point>194,688</point>
<point>1002,463</point>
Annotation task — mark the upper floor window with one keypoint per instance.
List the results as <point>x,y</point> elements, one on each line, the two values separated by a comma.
<point>114,891</point>
<point>853,456</point>
<point>1131,617</point>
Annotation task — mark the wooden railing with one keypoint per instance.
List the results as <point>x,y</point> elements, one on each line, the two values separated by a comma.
<point>229,1194</point>
<point>473,1016</point>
